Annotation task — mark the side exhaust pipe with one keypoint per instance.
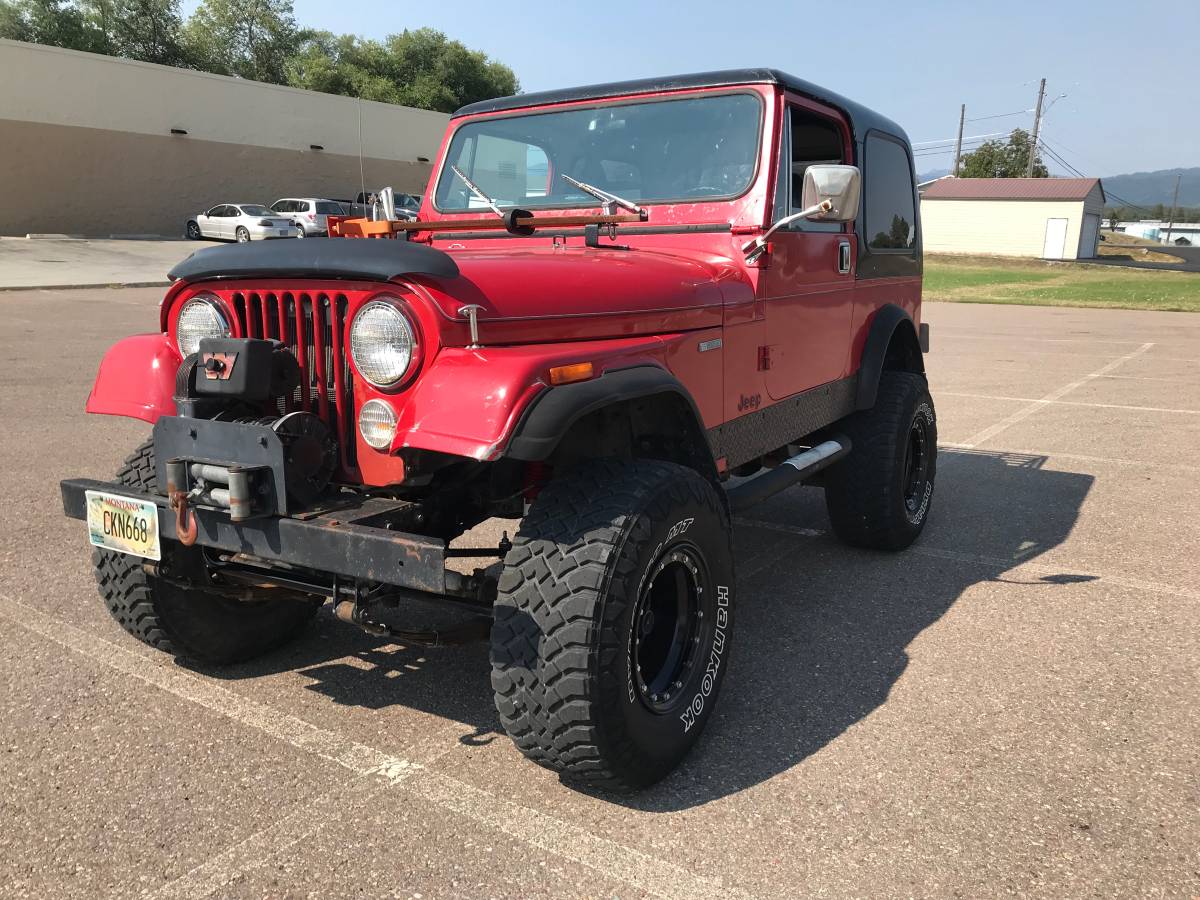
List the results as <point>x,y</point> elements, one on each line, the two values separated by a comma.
<point>795,470</point>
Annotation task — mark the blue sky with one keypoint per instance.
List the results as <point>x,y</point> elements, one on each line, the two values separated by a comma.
<point>915,62</point>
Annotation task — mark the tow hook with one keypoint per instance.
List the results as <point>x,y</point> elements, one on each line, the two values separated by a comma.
<point>185,518</point>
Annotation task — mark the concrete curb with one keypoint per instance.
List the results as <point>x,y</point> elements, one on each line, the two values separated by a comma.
<point>84,287</point>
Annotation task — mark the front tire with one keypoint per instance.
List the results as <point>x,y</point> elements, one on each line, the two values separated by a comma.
<point>880,495</point>
<point>613,622</point>
<point>193,231</point>
<point>192,624</point>
<point>243,236</point>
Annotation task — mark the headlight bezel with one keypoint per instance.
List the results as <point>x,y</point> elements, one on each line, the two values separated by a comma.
<point>392,304</point>
<point>213,302</point>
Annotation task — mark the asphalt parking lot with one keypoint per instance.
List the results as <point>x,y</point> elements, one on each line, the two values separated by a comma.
<point>1008,708</point>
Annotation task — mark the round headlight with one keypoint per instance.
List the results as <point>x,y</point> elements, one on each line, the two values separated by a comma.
<point>377,423</point>
<point>382,343</point>
<point>200,317</point>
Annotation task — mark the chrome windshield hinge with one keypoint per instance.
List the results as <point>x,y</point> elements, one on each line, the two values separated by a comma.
<point>472,314</point>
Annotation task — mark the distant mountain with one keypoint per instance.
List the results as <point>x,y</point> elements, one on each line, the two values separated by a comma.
<point>1144,189</point>
<point>1150,188</point>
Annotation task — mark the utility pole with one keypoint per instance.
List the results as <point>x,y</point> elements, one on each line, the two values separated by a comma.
<point>1174,204</point>
<point>1037,127</point>
<point>962,118</point>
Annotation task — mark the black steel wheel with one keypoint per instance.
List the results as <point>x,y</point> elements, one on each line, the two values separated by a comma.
<point>918,457</point>
<point>613,621</point>
<point>666,624</point>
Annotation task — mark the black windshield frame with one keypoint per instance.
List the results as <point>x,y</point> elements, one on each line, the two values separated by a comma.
<point>446,173</point>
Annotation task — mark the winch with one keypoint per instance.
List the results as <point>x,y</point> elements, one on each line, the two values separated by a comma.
<point>221,452</point>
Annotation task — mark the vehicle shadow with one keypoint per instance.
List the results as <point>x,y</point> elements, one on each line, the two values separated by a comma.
<point>821,636</point>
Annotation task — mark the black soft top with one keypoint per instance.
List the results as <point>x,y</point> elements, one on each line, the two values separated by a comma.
<point>861,118</point>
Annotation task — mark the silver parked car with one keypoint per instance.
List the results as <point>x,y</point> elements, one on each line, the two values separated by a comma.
<point>310,214</point>
<point>240,222</point>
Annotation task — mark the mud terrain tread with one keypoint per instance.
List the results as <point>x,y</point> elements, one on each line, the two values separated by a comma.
<point>549,609</point>
<point>120,578</point>
<point>186,629</point>
<point>860,491</point>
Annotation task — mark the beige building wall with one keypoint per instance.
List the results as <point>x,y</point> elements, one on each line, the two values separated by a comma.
<point>86,144</point>
<point>997,227</point>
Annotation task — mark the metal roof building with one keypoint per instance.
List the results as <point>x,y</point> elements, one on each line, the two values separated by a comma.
<point>1047,218</point>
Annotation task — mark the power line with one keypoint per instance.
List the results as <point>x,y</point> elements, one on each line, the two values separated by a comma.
<point>1019,112</point>
<point>971,137</point>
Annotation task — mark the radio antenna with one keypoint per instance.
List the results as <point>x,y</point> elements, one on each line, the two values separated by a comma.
<point>362,180</point>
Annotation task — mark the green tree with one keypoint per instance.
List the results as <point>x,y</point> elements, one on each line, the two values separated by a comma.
<point>249,38</point>
<point>1003,159</point>
<point>57,23</point>
<point>148,30</point>
<point>13,26</point>
<point>421,68</point>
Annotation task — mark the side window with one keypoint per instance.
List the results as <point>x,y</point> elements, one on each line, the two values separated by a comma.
<point>891,213</point>
<point>279,206</point>
<point>808,140</point>
<point>215,211</point>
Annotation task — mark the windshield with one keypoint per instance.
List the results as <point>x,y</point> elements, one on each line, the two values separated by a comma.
<point>701,148</point>
<point>252,209</point>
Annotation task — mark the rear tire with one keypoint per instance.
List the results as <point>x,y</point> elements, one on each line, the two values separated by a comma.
<point>243,236</point>
<point>300,233</point>
<point>192,624</point>
<point>879,496</point>
<point>613,621</point>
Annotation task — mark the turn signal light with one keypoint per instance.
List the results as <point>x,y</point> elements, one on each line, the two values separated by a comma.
<point>571,373</point>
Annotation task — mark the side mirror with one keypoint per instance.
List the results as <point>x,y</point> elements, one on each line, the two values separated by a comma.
<point>840,185</point>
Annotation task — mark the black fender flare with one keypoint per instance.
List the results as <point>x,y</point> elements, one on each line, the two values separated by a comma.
<point>889,321</point>
<point>555,410</point>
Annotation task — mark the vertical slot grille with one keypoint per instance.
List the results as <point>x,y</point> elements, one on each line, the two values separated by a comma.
<point>312,325</point>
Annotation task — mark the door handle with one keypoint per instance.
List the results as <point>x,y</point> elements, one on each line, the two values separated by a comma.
<point>844,258</point>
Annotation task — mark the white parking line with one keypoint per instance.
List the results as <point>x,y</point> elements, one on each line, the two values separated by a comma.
<point>1080,457</point>
<point>1009,338</point>
<point>1010,566</point>
<point>258,849</point>
<point>1163,409</point>
<point>616,861</point>
<point>1026,411</point>
<point>1149,378</point>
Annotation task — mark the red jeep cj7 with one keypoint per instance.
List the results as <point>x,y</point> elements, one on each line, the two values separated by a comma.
<point>614,300</point>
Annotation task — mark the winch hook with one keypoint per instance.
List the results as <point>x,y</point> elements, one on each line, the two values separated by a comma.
<point>185,518</point>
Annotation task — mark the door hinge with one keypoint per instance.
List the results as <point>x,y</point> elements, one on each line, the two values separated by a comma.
<point>764,358</point>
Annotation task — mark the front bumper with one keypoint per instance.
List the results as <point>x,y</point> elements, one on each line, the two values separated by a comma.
<point>339,540</point>
<point>264,233</point>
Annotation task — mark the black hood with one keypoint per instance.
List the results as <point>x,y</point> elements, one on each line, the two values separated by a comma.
<point>364,259</point>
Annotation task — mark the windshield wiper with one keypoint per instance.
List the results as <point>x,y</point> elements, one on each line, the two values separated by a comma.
<point>610,201</point>
<point>477,192</point>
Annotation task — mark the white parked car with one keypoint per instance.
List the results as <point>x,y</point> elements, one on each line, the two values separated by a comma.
<point>309,214</point>
<point>240,222</point>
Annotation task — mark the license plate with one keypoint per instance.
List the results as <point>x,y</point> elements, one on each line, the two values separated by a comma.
<point>283,232</point>
<point>123,524</point>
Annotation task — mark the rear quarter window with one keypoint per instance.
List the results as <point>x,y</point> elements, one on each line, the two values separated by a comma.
<point>891,212</point>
